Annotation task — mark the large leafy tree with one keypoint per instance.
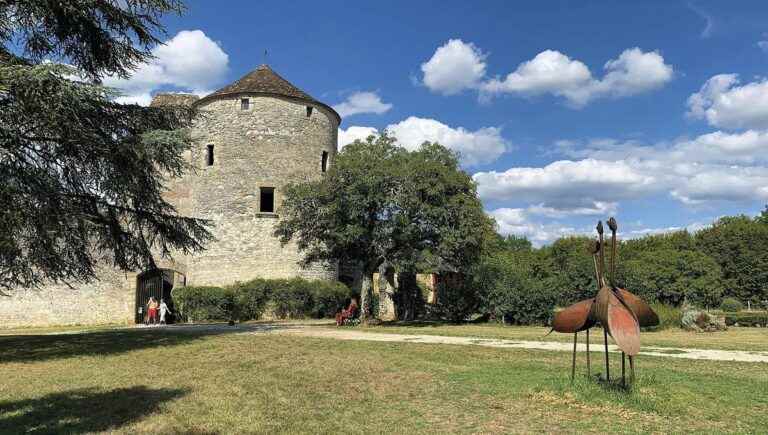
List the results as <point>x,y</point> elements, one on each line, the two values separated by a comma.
<point>82,177</point>
<point>381,204</point>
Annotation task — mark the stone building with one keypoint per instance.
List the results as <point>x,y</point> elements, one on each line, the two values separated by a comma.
<point>252,138</point>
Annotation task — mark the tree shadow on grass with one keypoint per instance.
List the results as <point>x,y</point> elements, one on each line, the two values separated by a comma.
<point>83,410</point>
<point>23,348</point>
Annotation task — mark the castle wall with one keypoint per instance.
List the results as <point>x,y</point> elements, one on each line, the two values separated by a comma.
<point>272,144</point>
<point>109,300</point>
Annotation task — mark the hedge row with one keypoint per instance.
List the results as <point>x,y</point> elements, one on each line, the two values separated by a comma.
<point>285,298</point>
<point>747,318</point>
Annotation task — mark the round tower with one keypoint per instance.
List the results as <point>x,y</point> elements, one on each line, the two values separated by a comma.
<point>252,139</point>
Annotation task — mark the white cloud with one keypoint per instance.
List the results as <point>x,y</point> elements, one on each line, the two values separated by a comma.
<point>763,44</point>
<point>552,72</point>
<point>484,145</point>
<point>354,133</point>
<point>362,102</point>
<point>517,221</point>
<point>567,186</point>
<point>480,146</point>
<point>454,67</point>
<point>189,61</point>
<point>726,104</point>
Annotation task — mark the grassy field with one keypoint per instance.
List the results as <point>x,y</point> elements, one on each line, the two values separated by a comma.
<point>157,381</point>
<point>750,339</point>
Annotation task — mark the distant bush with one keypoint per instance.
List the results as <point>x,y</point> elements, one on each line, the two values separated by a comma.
<point>251,298</point>
<point>731,305</point>
<point>205,303</point>
<point>748,318</point>
<point>291,299</point>
<point>327,298</point>
<point>669,316</point>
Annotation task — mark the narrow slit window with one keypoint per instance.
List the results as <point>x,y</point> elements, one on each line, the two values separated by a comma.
<point>209,155</point>
<point>325,161</point>
<point>245,104</point>
<point>267,200</point>
<point>309,111</point>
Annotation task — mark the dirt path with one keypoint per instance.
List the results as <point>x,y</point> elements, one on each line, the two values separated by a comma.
<point>352,334</point>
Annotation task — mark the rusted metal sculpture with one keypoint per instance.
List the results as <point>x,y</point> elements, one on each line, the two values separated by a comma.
<point>620,313</point>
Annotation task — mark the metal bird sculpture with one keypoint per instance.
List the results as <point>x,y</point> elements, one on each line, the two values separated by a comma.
<point>620,313</point>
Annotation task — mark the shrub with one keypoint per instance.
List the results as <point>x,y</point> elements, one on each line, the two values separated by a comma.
<point>204,303</point>
<point>328,297</point>
<point>750,318</point>
<point>251,298</point>
<point>731,305</point>
<point>669,316</point>
<point>457,300</point>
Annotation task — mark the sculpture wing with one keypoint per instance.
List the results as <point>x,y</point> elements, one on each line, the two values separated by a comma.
<point>644,313</point>
<point>575,318</point>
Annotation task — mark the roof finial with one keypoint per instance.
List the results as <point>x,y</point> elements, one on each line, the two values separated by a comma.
<point>265,57</point>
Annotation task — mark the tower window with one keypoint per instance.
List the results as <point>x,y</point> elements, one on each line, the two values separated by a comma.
<point>267,200</point>
<point>325,161</point>
<point>245,104</point>
<point>209,155</point>
<point>309,111</point>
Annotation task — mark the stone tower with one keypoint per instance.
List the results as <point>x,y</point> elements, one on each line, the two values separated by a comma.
<point>252,139</point>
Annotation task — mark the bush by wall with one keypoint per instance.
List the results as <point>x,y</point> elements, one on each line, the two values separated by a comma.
<point>731,305</point>
<point>669,316</point>
<point>747,318</point>
<point>294,298</point>
<point>196,304</point>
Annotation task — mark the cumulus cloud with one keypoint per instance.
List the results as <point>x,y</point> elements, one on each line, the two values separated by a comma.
<point>362,102</point>
<point>567,185</point>
<point>454,67</point>
<point>552,72</point>
<point>190,61</point>
<point>484,145</point>
<point>517,221</point>
<point>354,133</point>
<point>476,147</point>
<point>724,103</point>
<point>458,66</point>
<point>715,167</point>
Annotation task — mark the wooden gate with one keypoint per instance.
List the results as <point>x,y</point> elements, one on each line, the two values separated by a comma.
<point>158,284</point>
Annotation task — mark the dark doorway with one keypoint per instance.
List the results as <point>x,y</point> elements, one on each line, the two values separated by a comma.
<point>156,283</point>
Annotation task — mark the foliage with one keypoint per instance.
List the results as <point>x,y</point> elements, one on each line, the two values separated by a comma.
<point>81,176</point>
<point>747,318</point>
<point>739,244</point>
<point>457,300</point>
<point>378,201</point>
<point>287,298</point>
<point>205,303</point>
<point>731,305</point>
<point>575,269</point>
<point>669,316</point>
<point>672,277</point>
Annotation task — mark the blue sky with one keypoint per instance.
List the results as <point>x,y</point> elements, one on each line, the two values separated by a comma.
<point>565,112</point>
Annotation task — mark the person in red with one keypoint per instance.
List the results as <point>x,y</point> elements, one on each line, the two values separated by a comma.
<point>350,313</point>
<point>152,306</point>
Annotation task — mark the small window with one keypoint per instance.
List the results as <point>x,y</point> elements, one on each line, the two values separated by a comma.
<point>325,161</point>
<point>245,104</point>
<point>267,200</point>
<point>209,155</point>
<point>309,111</point>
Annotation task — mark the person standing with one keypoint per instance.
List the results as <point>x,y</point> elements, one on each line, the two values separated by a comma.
<point>152,310</point>
<point>163,311</point>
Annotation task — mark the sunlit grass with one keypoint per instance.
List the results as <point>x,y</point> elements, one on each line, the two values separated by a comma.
<point>156,381</point>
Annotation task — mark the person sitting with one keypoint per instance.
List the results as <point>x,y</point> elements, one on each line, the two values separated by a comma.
<point>351,312</point>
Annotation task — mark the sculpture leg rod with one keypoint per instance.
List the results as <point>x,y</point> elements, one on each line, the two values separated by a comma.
<point>632,369</point>
<point>607,368</point>
<point>573,362</point>
<point>588,368</point>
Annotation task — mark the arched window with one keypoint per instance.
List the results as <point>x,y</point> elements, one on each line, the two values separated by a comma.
<point>325,161</point>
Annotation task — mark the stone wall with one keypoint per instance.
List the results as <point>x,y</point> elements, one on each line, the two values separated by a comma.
<point>109,300</point>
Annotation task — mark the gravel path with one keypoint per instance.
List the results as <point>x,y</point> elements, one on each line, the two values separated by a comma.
<point>352,334</point>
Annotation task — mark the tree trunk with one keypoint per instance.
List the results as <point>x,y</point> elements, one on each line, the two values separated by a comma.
<point>387,287</point>
<point>366,296</point>
<point>409,300</point>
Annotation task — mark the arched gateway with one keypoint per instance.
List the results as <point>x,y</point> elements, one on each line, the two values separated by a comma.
<point>156,283</point>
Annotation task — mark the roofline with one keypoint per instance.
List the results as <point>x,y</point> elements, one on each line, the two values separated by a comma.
<point>215,96</point>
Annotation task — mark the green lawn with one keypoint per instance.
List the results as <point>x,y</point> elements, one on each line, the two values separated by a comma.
<point>735,338</point>
<point>156,381</point>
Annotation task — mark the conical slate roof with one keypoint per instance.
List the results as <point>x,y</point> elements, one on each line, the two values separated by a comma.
<point>263,80</point>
